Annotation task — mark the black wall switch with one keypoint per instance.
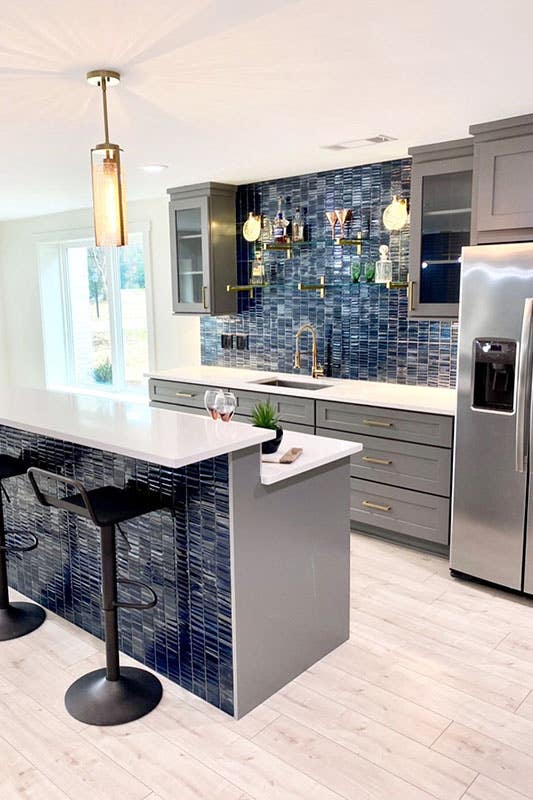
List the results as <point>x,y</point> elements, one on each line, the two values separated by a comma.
<point>242,341</point>
<point>226,341</point>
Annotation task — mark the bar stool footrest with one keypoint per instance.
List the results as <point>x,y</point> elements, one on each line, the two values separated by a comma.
<point>139,606</point>
<point>21,548</point>
<point>18,619</point>
<point>96,701</point>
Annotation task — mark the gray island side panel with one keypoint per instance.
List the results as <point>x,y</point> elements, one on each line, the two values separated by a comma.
<point>290,554</point>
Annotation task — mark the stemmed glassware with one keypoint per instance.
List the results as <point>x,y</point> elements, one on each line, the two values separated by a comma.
<point>342,216</point>
<point>228,404</point>
<point>220,404</point>
<point>332,219</point>
<point>212,401</point>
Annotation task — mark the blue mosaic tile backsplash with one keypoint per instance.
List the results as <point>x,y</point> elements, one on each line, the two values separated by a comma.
<point>183,553</point>
<point>363,329</point>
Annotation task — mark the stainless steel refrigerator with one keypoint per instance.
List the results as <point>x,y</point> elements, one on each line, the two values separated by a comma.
<point>492,515</point>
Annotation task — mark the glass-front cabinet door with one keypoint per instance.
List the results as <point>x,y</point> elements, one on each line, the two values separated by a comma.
<point>203,248</point>
<point>441,199</point>
<point>190,255</point>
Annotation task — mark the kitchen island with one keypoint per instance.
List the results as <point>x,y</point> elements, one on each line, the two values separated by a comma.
<point>250,562</point>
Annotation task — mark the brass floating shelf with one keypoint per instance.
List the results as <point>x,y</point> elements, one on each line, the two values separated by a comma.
<point>250,287</point>
<point>358,243</point>
<point>408,284</point>
<point>285,247</point>
<point>319,287</point>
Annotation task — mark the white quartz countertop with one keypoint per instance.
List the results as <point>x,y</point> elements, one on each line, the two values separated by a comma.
<point>317,451</point>
<point>425,399</point>
<point>149,434</point>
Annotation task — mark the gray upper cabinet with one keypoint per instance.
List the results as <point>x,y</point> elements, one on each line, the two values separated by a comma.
<point>441,200</point>
<point>203,248</point>
<point>503,177</point>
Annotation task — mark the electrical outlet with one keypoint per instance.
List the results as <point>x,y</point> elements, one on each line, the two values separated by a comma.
<point>242,341</point>
<point>226,341</point>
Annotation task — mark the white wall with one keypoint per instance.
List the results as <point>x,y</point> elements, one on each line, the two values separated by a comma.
<point>176,338</point>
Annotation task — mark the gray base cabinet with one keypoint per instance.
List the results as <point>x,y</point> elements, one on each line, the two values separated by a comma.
<point>400,482</point>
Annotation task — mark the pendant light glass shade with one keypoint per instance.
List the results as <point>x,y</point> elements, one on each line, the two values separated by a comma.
<point>109,198</point>
<point>396,216</point>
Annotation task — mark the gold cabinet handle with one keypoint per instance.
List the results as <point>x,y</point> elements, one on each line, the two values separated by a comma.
<point>384,461</point>
<point>374,423</point>
<point>375,506</point>
<point>204,296</point>
<point>184,394</point>
<point>411,295</point>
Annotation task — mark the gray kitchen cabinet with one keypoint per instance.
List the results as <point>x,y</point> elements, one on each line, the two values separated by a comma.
<point>418,515</point>
<point>440,224</point>
<point>400,482</point>
<point>409,466</point>
<point>203,248</point>
<point>389,423</point>
<point>503,176</point>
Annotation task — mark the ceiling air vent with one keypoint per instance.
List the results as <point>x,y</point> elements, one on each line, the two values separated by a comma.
<point>355,144</point>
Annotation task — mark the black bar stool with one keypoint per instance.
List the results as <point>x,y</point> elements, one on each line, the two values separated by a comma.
<point>16,619</point>
<point>113,695</point>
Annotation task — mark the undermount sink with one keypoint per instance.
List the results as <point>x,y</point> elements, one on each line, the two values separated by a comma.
<point>287,384</point>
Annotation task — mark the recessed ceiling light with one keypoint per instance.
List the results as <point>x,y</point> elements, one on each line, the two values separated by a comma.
<point>154,167</point>
<point>354,144</point>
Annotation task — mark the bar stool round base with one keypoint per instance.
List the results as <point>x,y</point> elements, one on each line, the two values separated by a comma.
<point>96,701</point>
<point>18,619</point>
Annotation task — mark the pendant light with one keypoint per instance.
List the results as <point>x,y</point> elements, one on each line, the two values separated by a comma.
<point>395,216</point>
<point>109,196</point>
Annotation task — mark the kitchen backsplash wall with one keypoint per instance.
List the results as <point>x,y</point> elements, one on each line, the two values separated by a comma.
<point>363,329</point>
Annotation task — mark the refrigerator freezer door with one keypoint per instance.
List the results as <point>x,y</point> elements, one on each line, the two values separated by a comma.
<point>489,494</point>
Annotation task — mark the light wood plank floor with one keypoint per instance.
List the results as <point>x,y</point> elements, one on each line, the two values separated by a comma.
<point>431,699</point>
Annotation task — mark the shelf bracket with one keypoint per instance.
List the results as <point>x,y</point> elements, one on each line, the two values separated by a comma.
<point>408,284</point>
<point>319,287</point>
<point>250,288</point>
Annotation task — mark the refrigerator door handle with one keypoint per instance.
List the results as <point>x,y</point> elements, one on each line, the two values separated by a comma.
<point>523,391</point>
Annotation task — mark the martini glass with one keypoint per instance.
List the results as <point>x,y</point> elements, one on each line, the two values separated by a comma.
<point>332,219</point>
<point>342,216</point>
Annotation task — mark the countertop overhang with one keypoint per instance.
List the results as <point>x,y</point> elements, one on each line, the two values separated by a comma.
<point>424,399</point>
<point>169,438</point>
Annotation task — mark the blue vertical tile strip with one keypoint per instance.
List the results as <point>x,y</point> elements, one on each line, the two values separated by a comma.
<point>183,552</point>
<point>363,329</point>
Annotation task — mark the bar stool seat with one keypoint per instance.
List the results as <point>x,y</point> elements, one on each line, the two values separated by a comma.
<point>112,505</point>
<point>16,619</point>
<point>112,695</point>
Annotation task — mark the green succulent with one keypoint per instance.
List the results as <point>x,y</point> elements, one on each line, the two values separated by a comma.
<point>265,415</point>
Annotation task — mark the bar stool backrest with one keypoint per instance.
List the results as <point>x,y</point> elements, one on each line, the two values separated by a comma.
<point>63,503</point>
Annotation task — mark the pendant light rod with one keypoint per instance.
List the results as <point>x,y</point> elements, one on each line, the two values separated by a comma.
<point>104,78</point>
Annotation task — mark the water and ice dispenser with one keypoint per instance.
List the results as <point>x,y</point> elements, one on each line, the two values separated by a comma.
<point>494,374</point>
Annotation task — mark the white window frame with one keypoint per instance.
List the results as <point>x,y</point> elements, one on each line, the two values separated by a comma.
<point>63,240</point>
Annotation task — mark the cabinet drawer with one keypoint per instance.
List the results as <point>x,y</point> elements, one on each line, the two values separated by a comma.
<point>175,408</point>
<point>179,394</point>
<point>411,466</point>
<point>408,426</point>
<point>246,401</point>
<point>423,516</point>
<point>294,409</point>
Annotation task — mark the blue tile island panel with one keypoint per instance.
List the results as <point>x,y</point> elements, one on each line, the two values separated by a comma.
<point>363,329</point>
<point>182,552</point>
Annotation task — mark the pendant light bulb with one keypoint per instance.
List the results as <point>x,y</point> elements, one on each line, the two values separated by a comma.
<point>109,194</point>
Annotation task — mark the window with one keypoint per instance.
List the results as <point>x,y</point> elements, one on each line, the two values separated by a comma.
<point>95,314</point>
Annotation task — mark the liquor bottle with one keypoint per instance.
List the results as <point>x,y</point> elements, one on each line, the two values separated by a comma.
<point>267,230</point>
<point>257,276</point>
<point>298,230</point>
<point>280,224</point>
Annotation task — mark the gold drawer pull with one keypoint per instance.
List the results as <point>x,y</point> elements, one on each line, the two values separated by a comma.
<point>375,506</point>
<point>374,423</point>
<point>184,394</point>
<point>384,461</point>
<point>204,297</point>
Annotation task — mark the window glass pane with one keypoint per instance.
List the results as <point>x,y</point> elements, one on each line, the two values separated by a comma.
<point>90,339</point>
<point>133,309</point>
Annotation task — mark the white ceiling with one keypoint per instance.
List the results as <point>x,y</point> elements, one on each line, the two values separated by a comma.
<point>238,90</point>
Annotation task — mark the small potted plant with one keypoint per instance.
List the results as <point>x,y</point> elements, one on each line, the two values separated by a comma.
<point>265,415</point>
